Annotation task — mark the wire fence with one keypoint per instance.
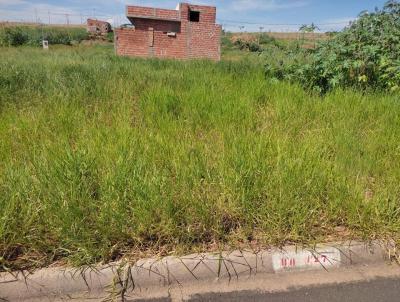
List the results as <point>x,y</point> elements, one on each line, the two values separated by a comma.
<point>71,18</point>
<point>67,18</point>
<point>248,26</point>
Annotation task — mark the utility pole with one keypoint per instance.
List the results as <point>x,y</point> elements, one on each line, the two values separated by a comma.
<point>94,13</point>
<point>36,16</point>
<point>67,18</point>
<point>81,18</point>
<point>48,12</point>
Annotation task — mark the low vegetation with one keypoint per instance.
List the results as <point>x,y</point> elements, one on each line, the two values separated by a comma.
<point>34,35</point>
<point>103,157</point>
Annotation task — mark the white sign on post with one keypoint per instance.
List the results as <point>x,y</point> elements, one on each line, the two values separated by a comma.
<point>45,44</point>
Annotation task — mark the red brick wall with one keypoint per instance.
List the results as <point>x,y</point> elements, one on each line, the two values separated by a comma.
<point>151,39</point>
<point>204,41</point>
<point>208,14</point>
<point>169,47</point>
<point>150,36</point>
<point>150,12</point>
<point>184,11</point>
<point>158,25</point>
<point>131,42</point>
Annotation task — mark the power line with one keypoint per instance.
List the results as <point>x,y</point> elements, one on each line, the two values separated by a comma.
<point>63,13</point>
<point>242,24</point>
<point>276,24</point>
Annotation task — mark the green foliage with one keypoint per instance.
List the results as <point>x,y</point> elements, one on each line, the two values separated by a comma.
<point>308,28</point>
<point>331,34</point>
<point>366,55</point>
<point>251,46</point>
<point>266,39</point>
<point>226,41</point>
<point>13,36</point>
<point>110,36</point>
<point>258,43</point>
<point>33,35</point>
<point>288,65</point>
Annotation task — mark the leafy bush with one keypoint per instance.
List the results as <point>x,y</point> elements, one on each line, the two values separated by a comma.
<point>266,39</point>
<point>254,47</point>
<point>248,45</point>
<point>13,37</point>
<point>110,36</point>
<point>364,55</point>
<point>226,41</point>
<point>33,36</point>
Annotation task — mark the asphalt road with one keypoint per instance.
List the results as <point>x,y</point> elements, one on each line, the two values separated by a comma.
<point>379,290</point>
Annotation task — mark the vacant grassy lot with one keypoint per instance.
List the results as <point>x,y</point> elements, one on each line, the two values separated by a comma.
<point>103,156</point>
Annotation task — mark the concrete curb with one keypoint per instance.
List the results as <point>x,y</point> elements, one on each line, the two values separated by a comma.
<point>146,276</point>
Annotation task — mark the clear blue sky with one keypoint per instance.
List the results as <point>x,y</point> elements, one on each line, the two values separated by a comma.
<point>287,12</point>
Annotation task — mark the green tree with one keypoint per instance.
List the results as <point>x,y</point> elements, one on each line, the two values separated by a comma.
<point>364,55</point>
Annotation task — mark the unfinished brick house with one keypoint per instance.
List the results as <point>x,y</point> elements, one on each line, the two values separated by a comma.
<point>188,32</point>
<point>97,27</point>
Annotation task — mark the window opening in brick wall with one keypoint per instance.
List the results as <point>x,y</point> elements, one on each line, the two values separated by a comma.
<point>194,16</point>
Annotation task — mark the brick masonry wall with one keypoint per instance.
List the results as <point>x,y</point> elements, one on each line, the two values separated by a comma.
<point>204,41</point>
<point>130,42</point>
<point>208,14</point>
<point>150,37</point>
<point>158,25</point>
<point>150,12</point>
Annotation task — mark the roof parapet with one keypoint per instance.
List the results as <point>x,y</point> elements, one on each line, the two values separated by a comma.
<point>140,12</point>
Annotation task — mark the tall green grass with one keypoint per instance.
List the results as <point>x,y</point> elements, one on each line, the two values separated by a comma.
<point>102,156</point>
<point>34,35</point>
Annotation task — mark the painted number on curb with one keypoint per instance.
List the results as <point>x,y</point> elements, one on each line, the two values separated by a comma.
<point>319,259</point>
